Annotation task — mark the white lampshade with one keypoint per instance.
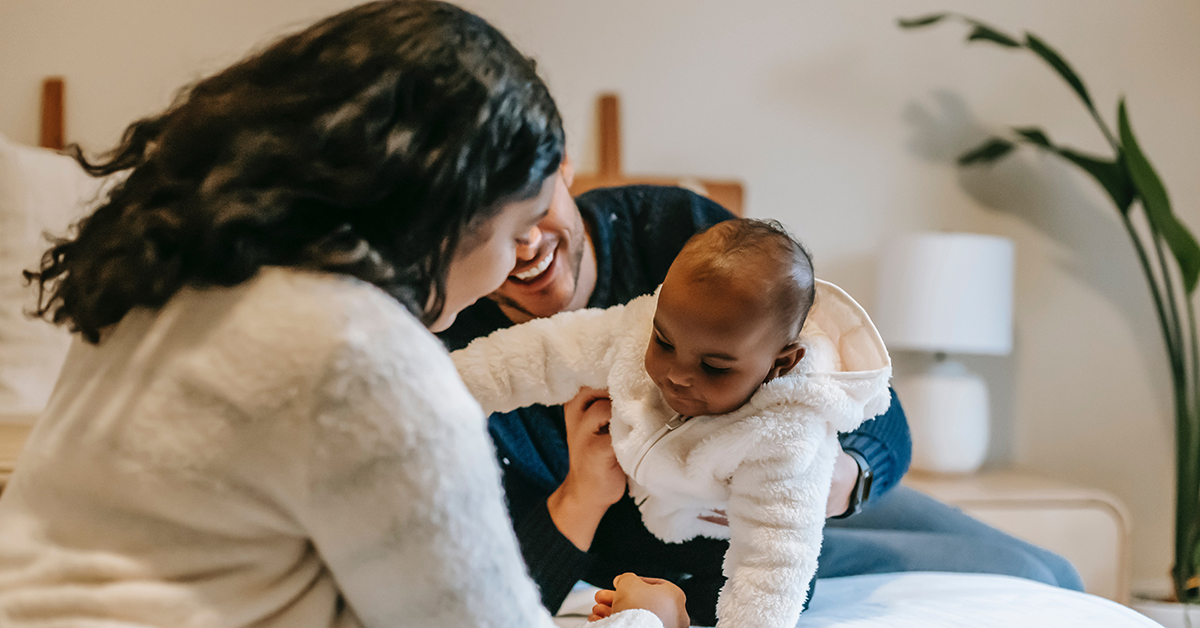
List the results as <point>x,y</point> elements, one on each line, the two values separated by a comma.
<point>946,293</point>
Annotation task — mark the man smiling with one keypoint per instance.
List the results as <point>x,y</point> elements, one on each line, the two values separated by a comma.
<point>556,266</point>
<point>566,492</point>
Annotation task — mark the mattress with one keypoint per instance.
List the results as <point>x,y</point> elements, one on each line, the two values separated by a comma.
<point>934,600</point>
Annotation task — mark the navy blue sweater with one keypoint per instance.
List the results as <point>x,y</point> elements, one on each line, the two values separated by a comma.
<point>636,231</point>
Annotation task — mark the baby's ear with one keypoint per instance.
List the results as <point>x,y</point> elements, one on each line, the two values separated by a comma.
<point>787,360</point>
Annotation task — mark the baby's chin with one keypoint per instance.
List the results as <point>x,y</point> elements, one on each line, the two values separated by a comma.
<point>690,406</point>
<point>693,407</point>
<point>684,406</point>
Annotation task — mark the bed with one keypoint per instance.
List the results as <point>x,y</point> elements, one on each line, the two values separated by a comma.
<point>933,600</point>
<point>41,190</point>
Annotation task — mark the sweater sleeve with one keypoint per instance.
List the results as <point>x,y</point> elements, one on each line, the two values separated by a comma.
<point>886,445</point>
<point>400,495</point>
<point>554,563</point>
<point>776,513</point>
<point>534,458</point>
<point>544,361</point>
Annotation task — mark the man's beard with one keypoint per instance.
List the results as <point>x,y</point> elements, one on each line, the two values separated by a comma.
<point>576,261</point>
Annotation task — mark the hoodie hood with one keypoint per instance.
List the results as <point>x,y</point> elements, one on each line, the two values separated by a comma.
<point>845,368</point>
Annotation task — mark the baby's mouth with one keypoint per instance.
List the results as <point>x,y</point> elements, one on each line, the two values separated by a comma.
<point>675,399</point>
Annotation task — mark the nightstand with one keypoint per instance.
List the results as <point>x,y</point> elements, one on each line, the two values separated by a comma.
<point>1087,526</point>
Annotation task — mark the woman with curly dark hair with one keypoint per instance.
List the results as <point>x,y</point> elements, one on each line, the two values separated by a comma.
<point>256,426</point>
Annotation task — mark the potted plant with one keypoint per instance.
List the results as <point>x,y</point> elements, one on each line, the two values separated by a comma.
<point>1169,256</point>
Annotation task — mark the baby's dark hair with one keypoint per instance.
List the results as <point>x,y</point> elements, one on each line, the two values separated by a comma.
<point>729,249</point>
<point>374,143</point>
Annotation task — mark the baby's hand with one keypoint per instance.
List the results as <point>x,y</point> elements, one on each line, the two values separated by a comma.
<point>656,595</point>
<point>603,607</point>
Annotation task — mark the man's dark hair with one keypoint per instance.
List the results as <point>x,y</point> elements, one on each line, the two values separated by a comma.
<point>373,143</point>
<point>732,248</point>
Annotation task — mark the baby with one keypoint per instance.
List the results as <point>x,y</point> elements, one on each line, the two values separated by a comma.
<point>728,388</point>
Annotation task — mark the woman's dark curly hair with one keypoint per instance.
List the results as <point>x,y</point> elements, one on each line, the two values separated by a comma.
<point>374,144</point>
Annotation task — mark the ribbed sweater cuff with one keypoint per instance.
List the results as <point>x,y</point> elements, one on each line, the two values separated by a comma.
<point>554,562</point>
<point>875,451</point>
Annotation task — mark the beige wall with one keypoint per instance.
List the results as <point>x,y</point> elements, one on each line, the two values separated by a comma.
<point>840,125</point>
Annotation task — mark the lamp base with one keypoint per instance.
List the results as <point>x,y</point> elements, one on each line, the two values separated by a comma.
<point>947,410</point>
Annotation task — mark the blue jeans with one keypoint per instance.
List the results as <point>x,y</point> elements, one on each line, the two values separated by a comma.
<point>908,531</point>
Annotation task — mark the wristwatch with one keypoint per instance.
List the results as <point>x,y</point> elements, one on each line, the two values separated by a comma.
<point>862,486</point>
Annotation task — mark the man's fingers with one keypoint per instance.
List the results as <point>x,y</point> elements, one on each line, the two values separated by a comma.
<point>598,405</point>
<point>589,397</point>
<point>589,405</point>
<point>594,393</point>
<point>598,415</point>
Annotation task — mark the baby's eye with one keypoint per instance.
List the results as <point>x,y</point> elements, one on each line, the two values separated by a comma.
<point>714,370</point>
<point>662,343</point>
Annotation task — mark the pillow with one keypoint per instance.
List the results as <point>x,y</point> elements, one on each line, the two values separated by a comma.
<point>41,192</point>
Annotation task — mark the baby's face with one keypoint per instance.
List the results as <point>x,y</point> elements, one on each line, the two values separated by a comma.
<point>712,346</point>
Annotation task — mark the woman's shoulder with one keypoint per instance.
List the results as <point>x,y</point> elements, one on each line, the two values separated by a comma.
<point>294,330</point>
<point>321,308</point>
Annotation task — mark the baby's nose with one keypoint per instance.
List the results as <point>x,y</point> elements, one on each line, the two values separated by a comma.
<point>679,378</point>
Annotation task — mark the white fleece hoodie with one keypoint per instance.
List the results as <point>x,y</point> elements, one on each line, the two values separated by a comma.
<point>768,464</point>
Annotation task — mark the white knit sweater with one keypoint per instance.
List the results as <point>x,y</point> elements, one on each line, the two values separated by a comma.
<point>296,452</point>
<point>768,464</point>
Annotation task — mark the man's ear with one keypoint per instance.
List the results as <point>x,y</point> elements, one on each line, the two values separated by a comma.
<point>787,360</point>
<point>567,169</point>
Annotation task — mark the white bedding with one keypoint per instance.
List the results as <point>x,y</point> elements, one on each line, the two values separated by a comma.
<point>40,192</point>
<point>936,600</point>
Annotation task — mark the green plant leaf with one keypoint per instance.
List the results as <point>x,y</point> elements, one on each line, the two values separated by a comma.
<point>1034,135</point>
<point>1060,65</point>
<point>1158,206</point>
<point>917,22</point>
<point>989,151</point>
<point>1111,174</point>
<point>982,32</point>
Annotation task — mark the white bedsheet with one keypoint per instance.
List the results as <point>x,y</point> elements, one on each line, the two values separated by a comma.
<point>936,600</point>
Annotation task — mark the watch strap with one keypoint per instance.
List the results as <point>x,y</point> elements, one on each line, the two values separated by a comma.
<point>862,486</point>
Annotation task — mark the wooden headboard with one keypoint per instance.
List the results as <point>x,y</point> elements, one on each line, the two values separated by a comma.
<point>52,127</point>
<point>728,192</point>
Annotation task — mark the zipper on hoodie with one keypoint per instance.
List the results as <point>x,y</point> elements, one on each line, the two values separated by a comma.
<point>668,427</point>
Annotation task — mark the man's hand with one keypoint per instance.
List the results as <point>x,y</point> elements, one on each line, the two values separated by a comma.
<point>658,596</point>
<point>845,476</point>
<point>594,481</point>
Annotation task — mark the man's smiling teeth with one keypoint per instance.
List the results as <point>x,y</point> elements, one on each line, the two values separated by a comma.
<point>536,270</point>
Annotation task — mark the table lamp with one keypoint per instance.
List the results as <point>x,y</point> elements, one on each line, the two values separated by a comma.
<point>946,294</point>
